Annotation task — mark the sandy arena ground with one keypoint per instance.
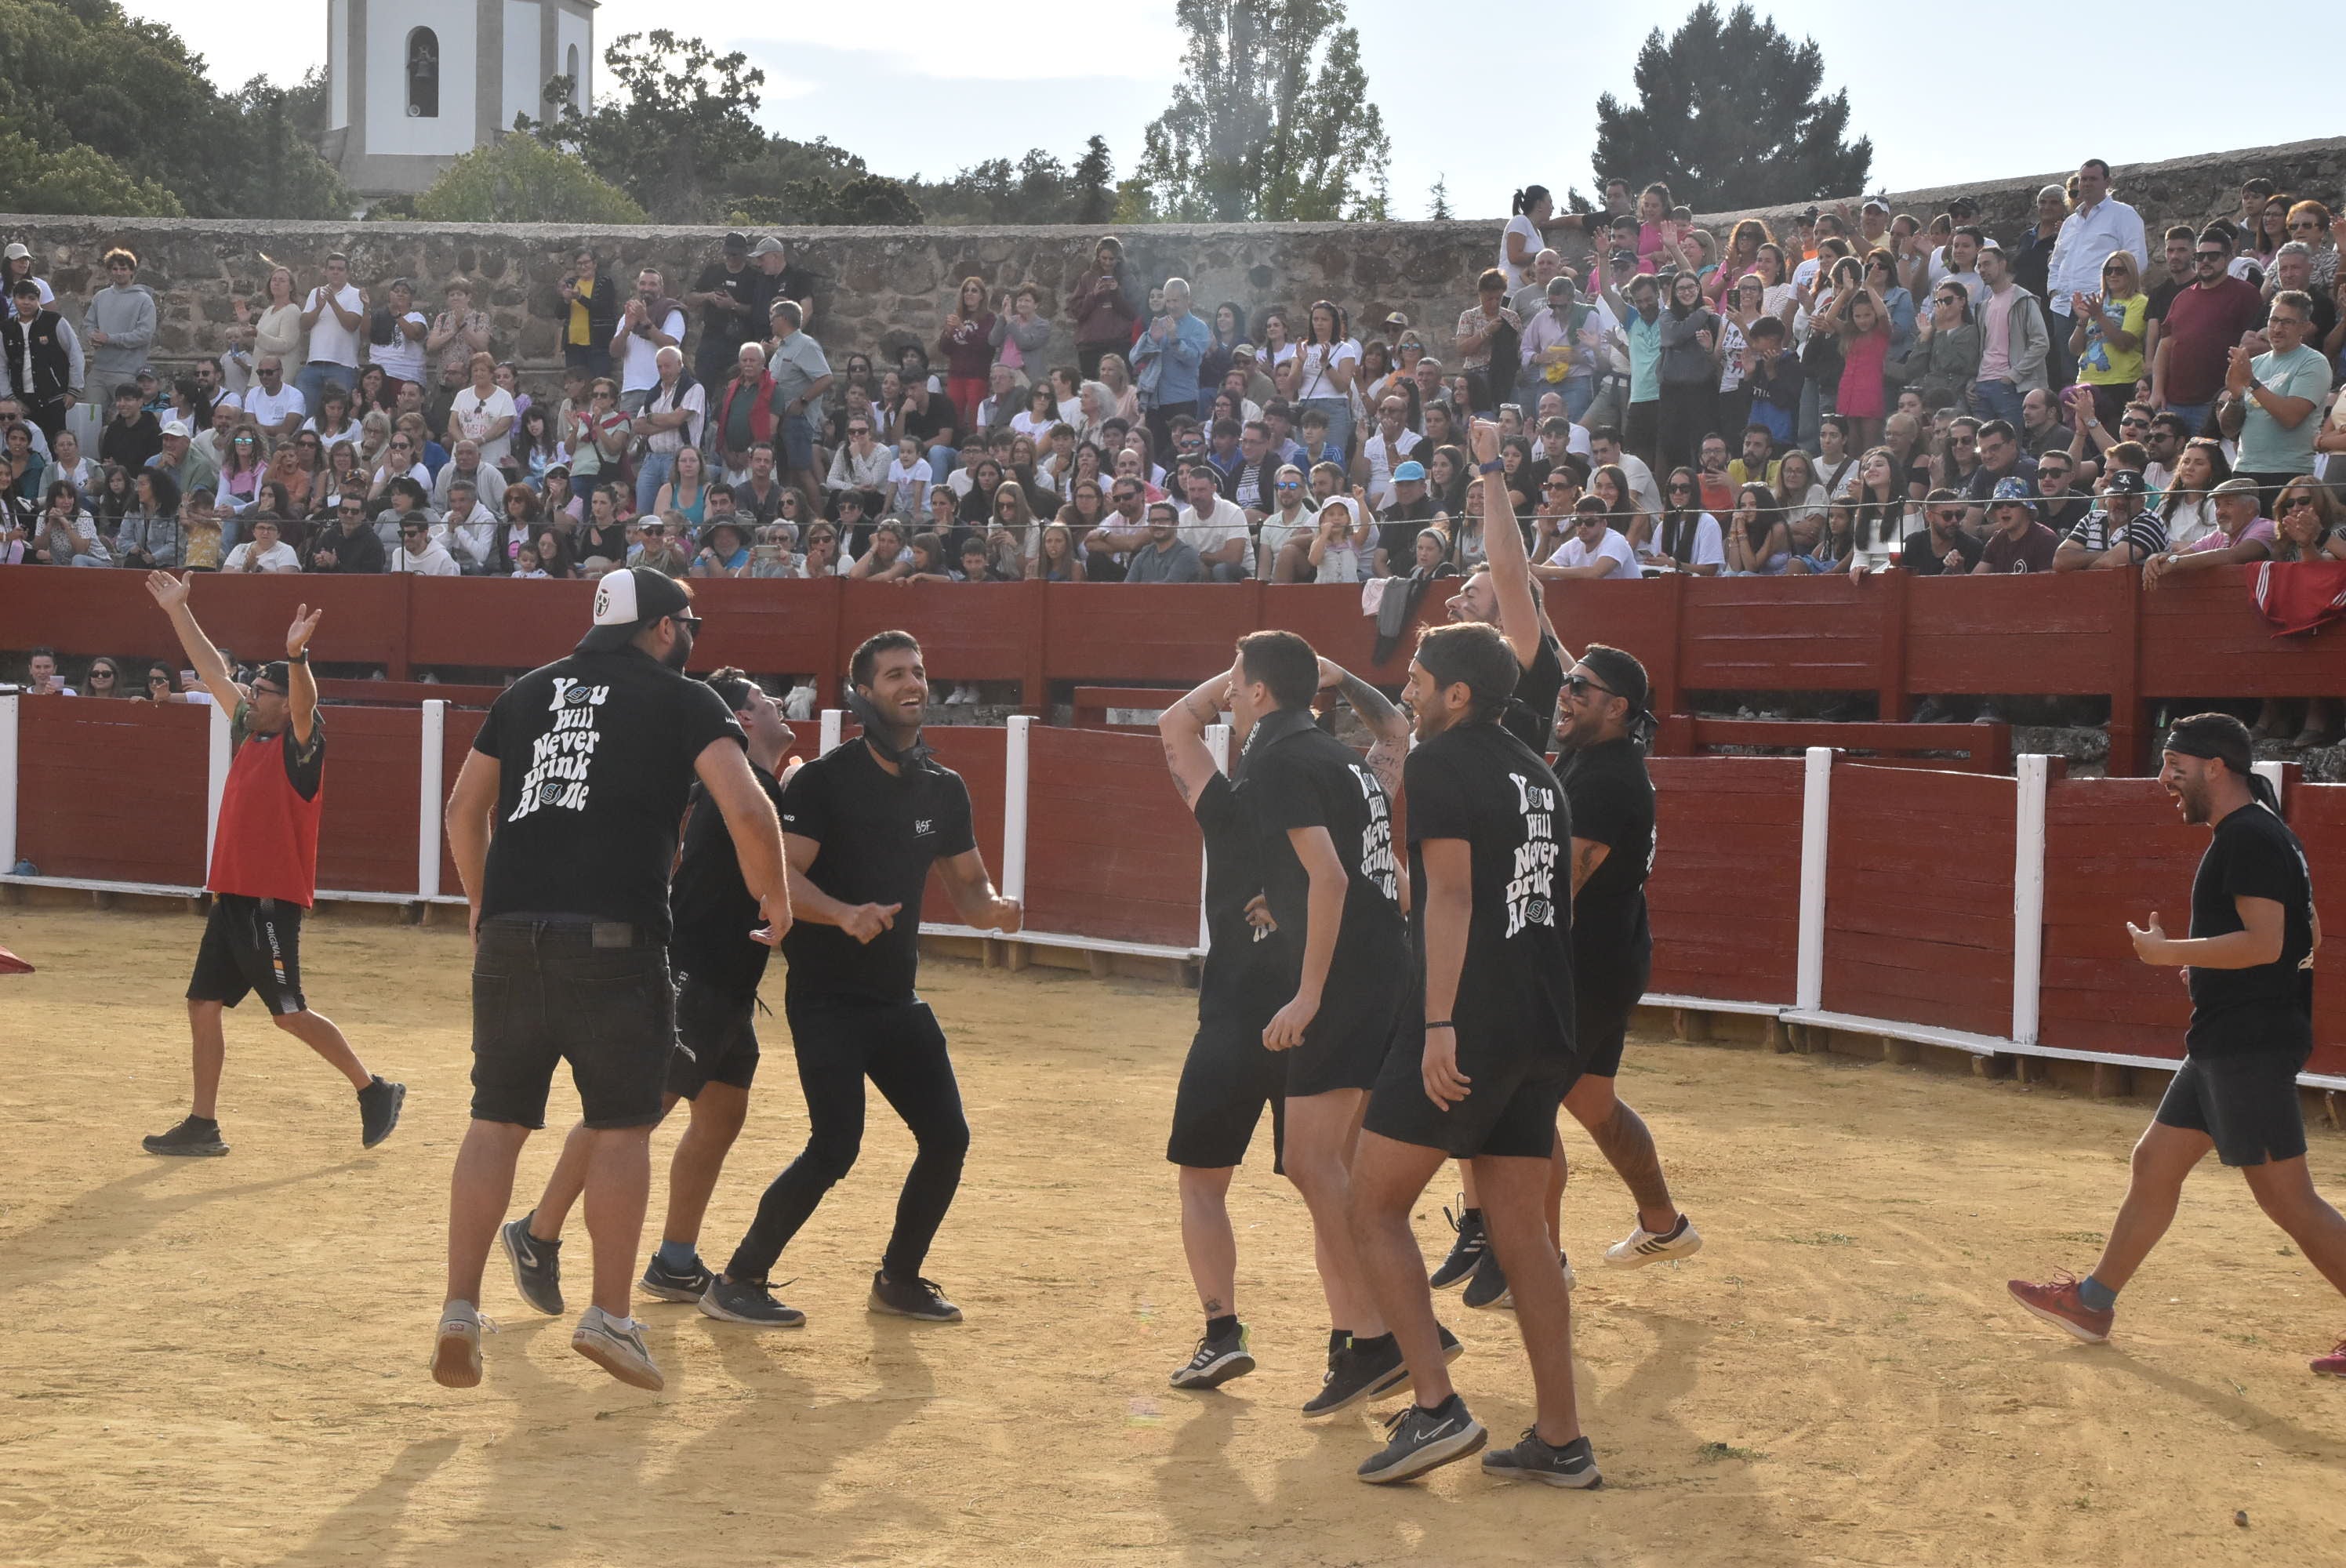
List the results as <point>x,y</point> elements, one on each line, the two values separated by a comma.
<point>222,1362</point>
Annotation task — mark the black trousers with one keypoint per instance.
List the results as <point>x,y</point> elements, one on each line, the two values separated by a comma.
<point>902,1051</point>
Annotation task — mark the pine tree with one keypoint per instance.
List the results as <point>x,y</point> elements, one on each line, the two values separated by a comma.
<point>1438,198</point>
<point>1729,115</point>
<point>1094,183</point>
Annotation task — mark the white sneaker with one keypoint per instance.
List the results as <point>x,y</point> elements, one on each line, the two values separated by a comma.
<point>617,1345</point>
<point>1642,1247</point>
<point>456,1347</point>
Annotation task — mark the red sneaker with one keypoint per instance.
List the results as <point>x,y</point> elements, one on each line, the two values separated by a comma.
<point>2057,1301</point>
<point>2332,1365</point>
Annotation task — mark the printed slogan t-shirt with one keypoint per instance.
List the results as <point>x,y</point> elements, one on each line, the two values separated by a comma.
<point>596,753</point>
<point>1479,783</point>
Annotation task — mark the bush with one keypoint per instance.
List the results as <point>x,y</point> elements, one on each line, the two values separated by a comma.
<point>77,180</point>
<point>519,178</point>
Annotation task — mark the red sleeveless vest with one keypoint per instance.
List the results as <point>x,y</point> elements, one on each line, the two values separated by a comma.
<point>265,846</point>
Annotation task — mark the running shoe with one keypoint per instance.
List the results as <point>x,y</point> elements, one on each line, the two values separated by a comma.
<point>536,1265</point>
<point>1217,1361</point>
<point>617,1345</point>
<point>457,1345</point>
<point>750,1301</point>
<point>686,1286</point>
<point>1419,1439</point>
<point>1642,1247</point>
<point>379,1106</point>
<point>193,1136</point>
<point>920,1298</point>
<point>1489,1285</point>
<point>2332,1365</point>
<point>1573,1465</point>
<point>1356,1371</point>
<point>1467,1251</point>
<point>2057,1302</point>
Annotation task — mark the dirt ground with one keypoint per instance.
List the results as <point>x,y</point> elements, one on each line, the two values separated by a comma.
<point>222,1362</point>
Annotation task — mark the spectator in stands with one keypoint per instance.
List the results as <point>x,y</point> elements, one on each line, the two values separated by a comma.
<point>118,330</point>
<point>968,344</point>
<point>886,559</point>
<point>2106,338</point>
<point>668,422</point>
<point>468,532</point>
<point>41,678</point>
<point>2281,393</point>
<point>1020,332</point>
<point>395,338</point>
<point>483,413</point>
<point>333,315</point>
<point>801,376</point>
<point>1594,550</point>
<point>266,551</point>
<point>590,316</point>
<point>2293,268</point>
<point>419,549</point>
<point>2242,535</point>
<point>1212,527</point>
<point>863,464</point>
<point>1944,361</point>
<point>272,403</point>
<point>649,321</point>
<point>2017,541</point>
<point>2309,225</point>
<point>1166,360</point>
<point>685,492</point>
<point>1166,557</point>
<point>2041,430</point>
<point>351,545</point>
<point>40,360</point>
<point>1759,543</point>
<point>2098,225</point>
<point>1943,546</point>
<point>149,538</point>
<point>724,550</point>
<point>2122,534</point>
<point>67,534</point>
<point>467,467</point>
<point>2013,342</point>
<point>1104,301</point>
<point>1688,538</point>
<point>133,435</point>
<point>2001,458</point>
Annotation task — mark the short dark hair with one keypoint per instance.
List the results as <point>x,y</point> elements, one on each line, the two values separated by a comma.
<point>720,487</point>
<point>867,654</point>
<point>2001,428</point>
<point>1476,654</point>
<point>733,685</point>
<point>1283,662</point>
<point>1611,433</point>
<point>27,286</point>
<point>1766,327</point>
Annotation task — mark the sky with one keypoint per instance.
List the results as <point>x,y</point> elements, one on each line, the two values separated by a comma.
<point>904,86</point>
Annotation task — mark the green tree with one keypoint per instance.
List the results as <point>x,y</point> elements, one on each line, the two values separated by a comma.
<point>78,179</point>
<point>672,121</point>
<point>1729,113</point>
<point>519,178</point>
<point>1438,200</point>
<point>1094,183</point>
<point>1271,118</point>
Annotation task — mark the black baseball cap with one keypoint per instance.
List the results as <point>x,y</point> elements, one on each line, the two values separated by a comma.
<point>627,601</point>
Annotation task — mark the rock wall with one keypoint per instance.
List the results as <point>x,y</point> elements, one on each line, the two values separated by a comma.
<point>881,288</point>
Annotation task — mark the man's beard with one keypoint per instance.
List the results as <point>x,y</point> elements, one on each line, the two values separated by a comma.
<point>679,653</point>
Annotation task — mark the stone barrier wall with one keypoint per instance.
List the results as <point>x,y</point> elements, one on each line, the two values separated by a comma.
<point>881,288</point>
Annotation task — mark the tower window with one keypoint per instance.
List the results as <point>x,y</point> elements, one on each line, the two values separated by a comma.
<point>424,74</point>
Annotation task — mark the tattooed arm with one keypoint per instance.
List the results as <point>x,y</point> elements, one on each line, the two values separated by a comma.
<point>1389,725</point>
<point>1183,729</point>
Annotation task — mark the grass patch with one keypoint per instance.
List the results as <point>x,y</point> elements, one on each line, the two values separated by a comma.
<point>1715,1452</point>
<point>1822,1238</point>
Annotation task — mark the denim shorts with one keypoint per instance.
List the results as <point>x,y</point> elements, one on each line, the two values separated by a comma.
<point>547,989</point>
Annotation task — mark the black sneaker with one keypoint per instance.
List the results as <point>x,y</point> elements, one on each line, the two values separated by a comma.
<point>750,1301</point>
<point>1465,1252</point>
<point>379,1106</point>
<point>1217,1361</point>
<point>1489,1285</point>
<point>193,1136</point>
<point>1573,1465</point>
<point>920,1298</point>
<point>1356,1371</point>
<point>686,1286</point>
<point>1419,1439</point>
<point>536,1265</point>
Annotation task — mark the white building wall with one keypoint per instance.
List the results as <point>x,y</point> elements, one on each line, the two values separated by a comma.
<point>524,77</point>
<point>338,63</point>
<point>575,32</point>
<point>390,128</point>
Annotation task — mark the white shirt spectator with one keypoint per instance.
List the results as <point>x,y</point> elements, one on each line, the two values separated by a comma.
<point>330,341</point>
<point>907,486</point>
<point>277,557</point>
<point>869,472</point>
<point>431,561</point>
<point>269,410</point>
<point>1709,549</point>
<point>1215,529</point>
<point>2088,236</point>
<point>665,400</point>
<point>401,358</point>
<point>1533,243</point>
<point>1641,483</point>
<point>1317,360</point>
<point>474,414</point>
<point>1613,548</point>
<point>641,370</point>
<point>469,539</point>
<point>1383,459</point>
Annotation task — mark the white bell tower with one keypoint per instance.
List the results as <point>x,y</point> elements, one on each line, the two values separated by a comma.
<point>413,85</point>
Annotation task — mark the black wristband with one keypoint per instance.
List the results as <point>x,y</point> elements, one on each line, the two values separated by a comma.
<point>1441,1024</point>
<point>1493,467</point>
<point>301,657</point>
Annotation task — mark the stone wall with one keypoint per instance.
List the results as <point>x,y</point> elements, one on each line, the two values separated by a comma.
<point>880,288</point>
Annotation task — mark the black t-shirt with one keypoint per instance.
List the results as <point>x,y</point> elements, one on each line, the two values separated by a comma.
<point>928,422</point>
<point>792,282</point>
<point>1397,526</point>
<point>1479,783</point>
<point>2253,854</point>
<point>721,325</point>
<point>1241,983</point>
<point>1926,556</point>
<point>879,830</point>
<point>715,912</point>
<point>1295,775</point>
<point>1612,804</point>
<point>1531,717</point>
<point>597,752</point>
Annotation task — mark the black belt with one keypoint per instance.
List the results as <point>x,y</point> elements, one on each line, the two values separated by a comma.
<point>601,934</point>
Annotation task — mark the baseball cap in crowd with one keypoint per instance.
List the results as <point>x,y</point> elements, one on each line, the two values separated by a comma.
<point>2127,481</point>
<point>1962,207</point>
<point>1624,258</point>
<point>1410,473</point>
<point>1989,244</point>
<point>146,374</point>
<point>627,601</point>
<point>16,252</point>
<point>1242,350</point>
<point>2013,492</point>
<point>737,243</point>
<point>1876,204</point>
<point>2247,487</point>
<point>767,245</point>
<point>178,427</point>
<point>1397,321</point>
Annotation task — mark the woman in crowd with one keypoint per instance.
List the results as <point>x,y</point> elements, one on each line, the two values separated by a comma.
<point>241,467</point>
<point>1882,509</point>
<point>517,526</point>
<point>1105,301</point>
<point>2258,248</point>
<point>1058,560</point>
<point>1010,532</point>
<point>1804,500</point>
<point>562,504</point>
<point>599,438</point>
<point>1742,306</point>
<point>1742,258</point>
<point>162,684</point>
<point>65,460</point>
<point>375,434</point>
<point>457,333</point>
<point>532,449</point>
<point>1326,365</point>
<point>2187,512</point>
<point>1275,357</point>
<point>66,536</point>
<point>1946,358</point>
<point>887,559</point>
<point>686,490</point>
<point>370,395</point>
<point>1041,413</point>
<point>1116,374</point>
<point>1086,506</point>
<point>1467,550</point>
<point>1525,234</point>
<point>1689,371</point>
<point>340,475</point>
<point>114,498</point>
<point>1881,277</point>
<point>1609,483</point>
<point>1445,480</point>
<point>968,344</point>
<point>1228,329</point>
<point>555,553</point>
<point>335,426</point>
<point>1862,322</point>
<point>276,326</point>
<point>985,477</point>
<point>1777,298</point>
<point>1518,474</point>
<point>820,550</point>
<point>1688,538</point>
<point>403,501</point>
<point>1019,335</point>
<point>2107,337</point>
<point>1758,542</point>
<point>2309,224</point>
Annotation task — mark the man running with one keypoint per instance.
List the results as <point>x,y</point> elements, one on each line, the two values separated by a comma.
<point>719,962</point>
<point>2249,966</point>
<point>861,825</point>
<point>1295,1010</point>
<point>264,873</point>
<point>1480,1077</point>
<point>587,764</point>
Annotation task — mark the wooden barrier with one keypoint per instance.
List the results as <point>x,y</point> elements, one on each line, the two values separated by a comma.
<point>1724,892</point>
<point>975,752</point>
<point>367,825</point>
<point>113,791</point>
<point>1110,852</point>
<point>2318,813</point>
<point>2115,850</point>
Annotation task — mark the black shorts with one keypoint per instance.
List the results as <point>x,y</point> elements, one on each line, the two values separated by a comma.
<point>250,945</point>
<point>1604,996</point>
<point>1344,1044</point>
<point>595,993</point>
<point>2247,1103</point>
<point>1227,1079</point>
<point>716,1038</point>
<point>1509,1111</point>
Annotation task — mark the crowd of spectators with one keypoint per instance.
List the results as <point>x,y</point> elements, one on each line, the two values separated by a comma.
<point>1866,391</point>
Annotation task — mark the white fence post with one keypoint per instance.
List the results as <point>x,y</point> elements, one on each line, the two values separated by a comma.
<point>432,747</point>
<point>829,742</point>
<point>1218,746</point>
<point>1816,798</point>
<point>1014,806</point>
<point>8,782</point>
<point>2271,772</point>
<point>215,782</point>
<point>2032,773</point>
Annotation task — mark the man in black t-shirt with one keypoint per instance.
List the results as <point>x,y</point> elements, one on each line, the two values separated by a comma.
<point>1314,836</point>
<point>732,297</point>
<point>861,825</point>
<point>717,960</point>
<point>581,770</point>
<point>2250,961</point>
<point>1478,1075</point>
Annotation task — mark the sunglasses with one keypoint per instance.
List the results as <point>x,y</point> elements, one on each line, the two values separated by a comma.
<point>2207,255</point>
<point>2298,504</point>
<point>2134,424</point>
<point>1581,685</point>
<point>1682,489</point>
<point>261,691</point>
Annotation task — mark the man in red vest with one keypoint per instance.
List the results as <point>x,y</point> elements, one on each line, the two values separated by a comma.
<point>264,872</point>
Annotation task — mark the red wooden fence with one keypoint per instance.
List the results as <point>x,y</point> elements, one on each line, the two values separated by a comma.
<point>1725,890</point>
